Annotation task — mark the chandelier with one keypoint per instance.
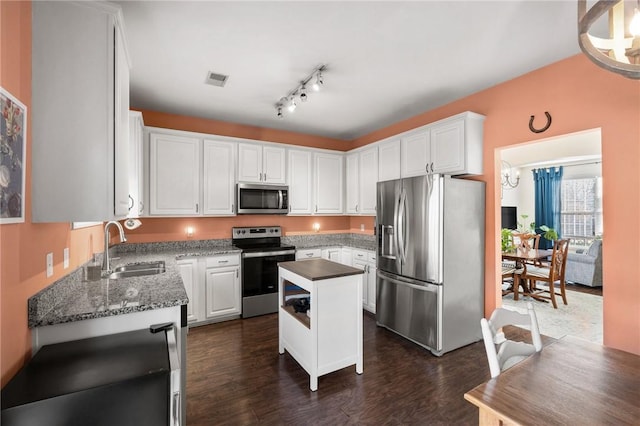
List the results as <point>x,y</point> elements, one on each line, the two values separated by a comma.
<point>620,52</point>
<point>506,178</point>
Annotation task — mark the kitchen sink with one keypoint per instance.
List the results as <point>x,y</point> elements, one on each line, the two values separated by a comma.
<point>137,270</point>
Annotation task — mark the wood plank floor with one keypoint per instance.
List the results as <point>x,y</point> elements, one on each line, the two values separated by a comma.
<point>235,376</point>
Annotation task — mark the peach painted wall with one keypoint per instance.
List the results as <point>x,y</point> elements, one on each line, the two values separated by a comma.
<point>23,246</point>
<point>579,96</point>
<point>214,127</point>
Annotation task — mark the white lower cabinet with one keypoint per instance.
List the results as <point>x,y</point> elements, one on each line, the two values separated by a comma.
<point>213,287</point>
<point>333,253</point>
<point>366,260</point>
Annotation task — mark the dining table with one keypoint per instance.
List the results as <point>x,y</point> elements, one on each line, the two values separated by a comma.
<point>524,257</point>
<point>570,382</point>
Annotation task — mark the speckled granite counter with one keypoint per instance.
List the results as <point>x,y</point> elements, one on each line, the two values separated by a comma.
<point>72,299</point>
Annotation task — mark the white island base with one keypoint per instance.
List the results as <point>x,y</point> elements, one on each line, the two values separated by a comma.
<point>330,337</point>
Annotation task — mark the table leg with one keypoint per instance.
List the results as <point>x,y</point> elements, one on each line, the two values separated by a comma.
<point>488,418</point>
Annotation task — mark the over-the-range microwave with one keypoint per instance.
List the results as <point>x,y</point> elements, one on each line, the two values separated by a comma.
<point>262,199</point>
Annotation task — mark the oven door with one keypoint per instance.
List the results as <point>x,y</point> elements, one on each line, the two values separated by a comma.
<point>260,271</point>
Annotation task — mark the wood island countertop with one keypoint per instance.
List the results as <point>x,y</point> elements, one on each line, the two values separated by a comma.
<point>319,269</point>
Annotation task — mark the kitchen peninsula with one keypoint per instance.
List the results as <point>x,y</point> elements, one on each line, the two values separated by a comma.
<point>328,336</point>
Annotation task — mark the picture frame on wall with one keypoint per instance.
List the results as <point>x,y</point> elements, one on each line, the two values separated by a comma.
<point>13,145</point>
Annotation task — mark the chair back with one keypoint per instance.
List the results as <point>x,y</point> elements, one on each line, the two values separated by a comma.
<point>525,241</point>
<point>559,260</point>
<point>503,353</point>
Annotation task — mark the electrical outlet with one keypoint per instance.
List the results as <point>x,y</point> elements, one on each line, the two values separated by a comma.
<point>49,264</point>
<point>65,261</point>
<point>362,226</point>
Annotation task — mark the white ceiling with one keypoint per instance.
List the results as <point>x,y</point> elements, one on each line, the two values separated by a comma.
<point>386,60</point>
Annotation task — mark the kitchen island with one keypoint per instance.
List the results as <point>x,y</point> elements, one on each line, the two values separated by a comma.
<point>327,337</point>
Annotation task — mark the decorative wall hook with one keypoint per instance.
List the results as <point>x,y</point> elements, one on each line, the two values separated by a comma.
<point>533,129</point>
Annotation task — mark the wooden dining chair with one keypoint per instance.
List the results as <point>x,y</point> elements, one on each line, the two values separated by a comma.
<point>510,267</point>
<point>552,275</point>
<point>501,352</point>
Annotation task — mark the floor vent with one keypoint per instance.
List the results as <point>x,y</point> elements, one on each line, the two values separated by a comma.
<point>216,79</point>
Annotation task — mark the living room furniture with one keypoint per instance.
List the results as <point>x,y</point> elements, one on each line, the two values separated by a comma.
<point>522,258</point>
<point>586,268</point>
<point>543,388</point>
<point>551,274</point>
<point>509,352</point>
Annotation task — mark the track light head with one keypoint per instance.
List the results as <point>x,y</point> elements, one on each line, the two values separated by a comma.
<point>292,104</point>
<point>280,114</point>
<point>303,93</point>
<point>319,81</point>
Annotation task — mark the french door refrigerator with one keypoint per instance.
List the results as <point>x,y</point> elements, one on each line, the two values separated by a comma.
<point>430,258</point>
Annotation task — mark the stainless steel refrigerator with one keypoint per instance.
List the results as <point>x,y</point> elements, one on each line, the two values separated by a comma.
<point>430,258</point>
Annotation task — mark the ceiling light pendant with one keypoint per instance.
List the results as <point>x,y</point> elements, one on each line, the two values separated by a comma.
<point>505,176</point>
<point>618,53</point>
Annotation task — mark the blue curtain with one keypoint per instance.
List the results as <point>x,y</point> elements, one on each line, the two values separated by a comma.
<point>548,183</point>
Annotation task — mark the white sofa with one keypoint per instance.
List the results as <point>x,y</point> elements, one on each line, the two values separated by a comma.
<point>585,268</point>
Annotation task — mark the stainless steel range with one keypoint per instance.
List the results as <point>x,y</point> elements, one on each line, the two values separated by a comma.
<point>261,251</point>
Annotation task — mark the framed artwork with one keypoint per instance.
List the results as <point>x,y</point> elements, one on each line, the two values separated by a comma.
<point>13,145</point>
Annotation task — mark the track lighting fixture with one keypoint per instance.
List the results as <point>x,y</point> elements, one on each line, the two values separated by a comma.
<point>301,91</point>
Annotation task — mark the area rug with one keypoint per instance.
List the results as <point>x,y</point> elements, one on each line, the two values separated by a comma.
<point>582,317</point>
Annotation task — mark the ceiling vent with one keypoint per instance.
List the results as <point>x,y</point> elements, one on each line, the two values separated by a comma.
<point>216,79</point>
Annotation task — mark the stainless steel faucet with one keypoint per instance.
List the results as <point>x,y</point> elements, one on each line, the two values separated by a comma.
<point>106,267</point>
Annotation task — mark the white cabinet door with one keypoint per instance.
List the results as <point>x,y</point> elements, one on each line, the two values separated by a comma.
<point>136,180</point>
<point>352,183</point>
<point>121,150</point>
<point>362,265</point>
<point>328,170</point>
<point>261,163</point>
<point>389,160</point>
<point>334,254</point>
<point>447,147</point>
<point>218,178</point>
<point>274,165</point>
<point>415,154</point>
<point>249,163</point>
<point>300,182</point>
<point>78,157</point>
<point>189,273</point>
<point>371,287</point>
<point>174,174</point>
<point>368,178</point>
<point>347,254</point>
<point>222,292</point>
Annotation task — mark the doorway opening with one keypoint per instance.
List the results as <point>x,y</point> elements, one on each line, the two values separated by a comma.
<point>580,155</point>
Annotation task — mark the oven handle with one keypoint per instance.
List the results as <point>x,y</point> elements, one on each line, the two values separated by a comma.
<point>268,253</point>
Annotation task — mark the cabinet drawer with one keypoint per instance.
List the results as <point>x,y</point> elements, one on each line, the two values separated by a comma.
<point>227,260</point>
<point>360,255</point>
<point>308,253</point>
<point>371,256</point>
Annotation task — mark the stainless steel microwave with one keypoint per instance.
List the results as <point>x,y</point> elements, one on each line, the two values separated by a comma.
<point>262,199</point>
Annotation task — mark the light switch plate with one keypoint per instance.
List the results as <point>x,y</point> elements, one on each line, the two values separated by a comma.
<point>49,264</point>
<point>65,261</point>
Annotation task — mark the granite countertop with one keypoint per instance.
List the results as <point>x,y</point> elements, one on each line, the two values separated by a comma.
<point>74,299</point>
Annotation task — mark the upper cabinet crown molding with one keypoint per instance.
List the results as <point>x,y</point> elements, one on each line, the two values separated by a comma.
<point>79,153</point>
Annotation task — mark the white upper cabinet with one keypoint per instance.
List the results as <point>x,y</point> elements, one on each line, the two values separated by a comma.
<point>174,175</point>
<point>415,153</point>
<point>450,146</point>
<point>389,160</point>
<point>80,113</point>
<point>329,186</point>
<point>352,196</point>
<point>362,176</point>
<point>261,163</point>
<point>300,182</point>
<point>218,177</point>
<point>136,180</point>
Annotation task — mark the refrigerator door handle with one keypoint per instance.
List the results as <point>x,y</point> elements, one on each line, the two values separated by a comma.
<point>402,206</point>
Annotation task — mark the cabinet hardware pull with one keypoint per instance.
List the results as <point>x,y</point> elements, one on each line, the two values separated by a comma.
<point>223,261</point>
<point>232,208</point>
<point>196,207</point>
<point>356,207</point>
<point>316,208</point>
<point>132,202</point>
<point>236,273</point>
<point>265,177</point>
<point>431,167</point>
<point>426,168</point>
<point>141,209</point>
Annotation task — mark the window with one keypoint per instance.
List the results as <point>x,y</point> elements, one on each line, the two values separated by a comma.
<point>581,209</point>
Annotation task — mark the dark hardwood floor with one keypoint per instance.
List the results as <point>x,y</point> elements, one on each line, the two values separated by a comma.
<point>597,291</point>
<point>235,376</point>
